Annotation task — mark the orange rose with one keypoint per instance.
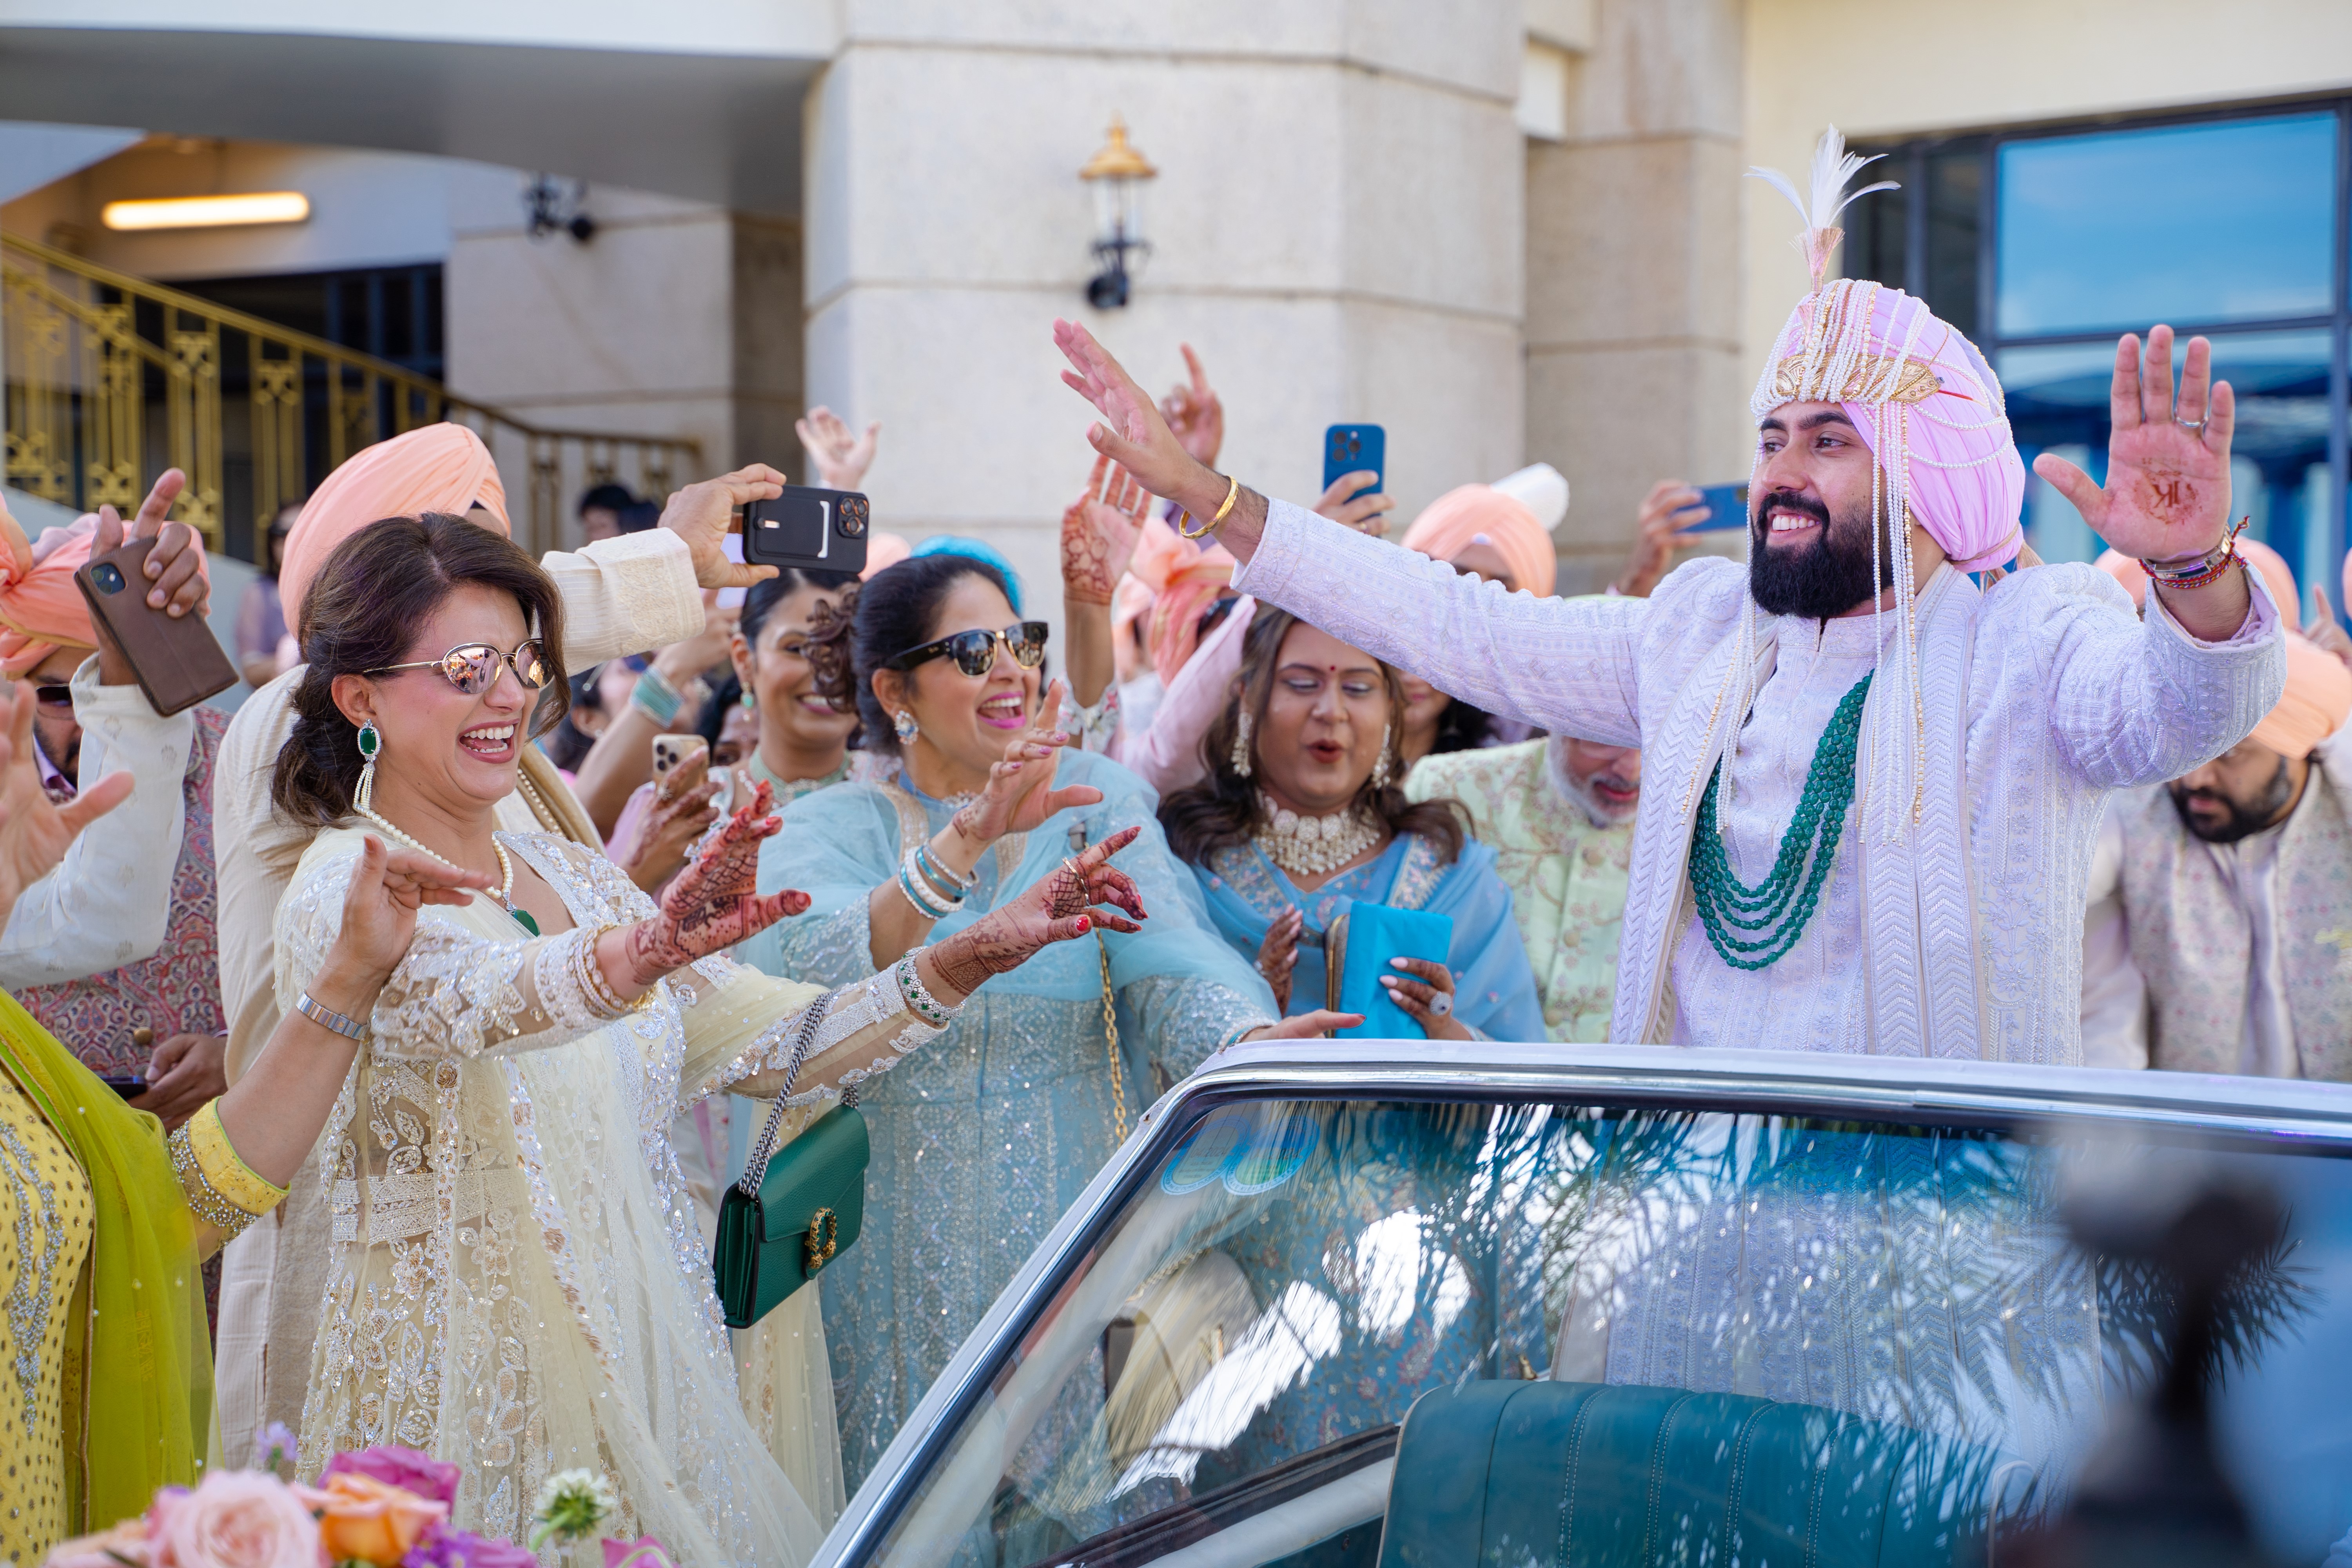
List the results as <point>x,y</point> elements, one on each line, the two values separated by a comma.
<point>365,1518</point>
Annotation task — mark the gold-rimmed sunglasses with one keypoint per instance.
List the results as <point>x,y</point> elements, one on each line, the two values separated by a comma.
<point>974,652</point>
<point>473,667</point>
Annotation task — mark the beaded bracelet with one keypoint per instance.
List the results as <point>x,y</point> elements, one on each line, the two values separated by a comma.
<point>2208,567</point>
<point>928,905</point>
<point>918,998</point>
<point>655,698</point>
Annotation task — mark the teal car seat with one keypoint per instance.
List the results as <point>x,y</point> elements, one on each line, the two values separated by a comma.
<point>1513,1473</point>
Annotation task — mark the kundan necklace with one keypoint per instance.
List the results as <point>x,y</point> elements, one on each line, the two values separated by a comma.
<point>1312,846</point>
<point>506,888</point>
<point>1752,927</point>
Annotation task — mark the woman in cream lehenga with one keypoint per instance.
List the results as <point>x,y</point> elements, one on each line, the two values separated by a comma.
<point>517,1283</point>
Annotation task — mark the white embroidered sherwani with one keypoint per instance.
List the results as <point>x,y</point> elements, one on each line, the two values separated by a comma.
<point>1958,937</point>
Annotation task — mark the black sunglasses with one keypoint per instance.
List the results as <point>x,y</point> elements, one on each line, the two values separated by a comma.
<point>975,651</point>
<point>472,667</point>
<point>53,695</point>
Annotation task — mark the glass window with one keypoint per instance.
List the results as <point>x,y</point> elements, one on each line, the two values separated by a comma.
<point>2230,222</point>
<point>2057,397</point>
<point>1710,1320</point>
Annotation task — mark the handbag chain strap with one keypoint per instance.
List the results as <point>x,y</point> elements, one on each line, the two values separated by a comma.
<point>755,1169</point>
<point>1110,1010</point>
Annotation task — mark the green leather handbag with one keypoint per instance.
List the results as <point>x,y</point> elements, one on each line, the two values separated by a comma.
<point>796,1208</point>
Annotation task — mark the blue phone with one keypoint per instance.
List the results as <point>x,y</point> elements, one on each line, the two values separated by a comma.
<point>1353,449</point>
<point>1727,507</point>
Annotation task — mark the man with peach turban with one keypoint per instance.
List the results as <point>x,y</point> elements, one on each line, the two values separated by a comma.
<point>2220,903</point>
<point>621,595</point>
<point>1871,782</point>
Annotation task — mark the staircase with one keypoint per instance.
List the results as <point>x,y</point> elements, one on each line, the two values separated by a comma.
<point>111,379</point>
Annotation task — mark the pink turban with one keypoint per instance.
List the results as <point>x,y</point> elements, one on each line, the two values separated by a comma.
<point>2277,576</point>
<point>437,467</point>
<point>2317,698</point>
<point>1468,514</point>
<point>1904,372</point>
<point>41,611</point>
<point>1185,580</point>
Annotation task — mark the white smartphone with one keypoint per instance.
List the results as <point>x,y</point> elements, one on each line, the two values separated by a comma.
<point>673,752</point>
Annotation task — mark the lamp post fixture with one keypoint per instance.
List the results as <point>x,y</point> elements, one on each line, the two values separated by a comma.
<point>1117,173</point>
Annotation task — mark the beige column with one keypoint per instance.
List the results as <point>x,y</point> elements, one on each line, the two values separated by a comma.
<point>1634,369</point>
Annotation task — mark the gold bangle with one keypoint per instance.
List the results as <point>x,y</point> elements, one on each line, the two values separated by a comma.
<point>1232,489</point>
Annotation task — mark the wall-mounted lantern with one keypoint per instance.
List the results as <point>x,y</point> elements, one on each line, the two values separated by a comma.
<point>1117,173</point>
<point>546,209</point>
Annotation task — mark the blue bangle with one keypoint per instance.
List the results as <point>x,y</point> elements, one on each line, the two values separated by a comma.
<point>948,885</point>
<point>925,905</point>
<point>657,698</point>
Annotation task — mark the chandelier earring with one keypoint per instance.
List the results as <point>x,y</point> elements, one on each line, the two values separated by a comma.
<point>370,747</point>
<point>906,726</point>
<point>1380,769</point>
<point>1242,745</point>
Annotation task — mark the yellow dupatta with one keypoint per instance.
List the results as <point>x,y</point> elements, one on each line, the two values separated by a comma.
<point>138,1377</point>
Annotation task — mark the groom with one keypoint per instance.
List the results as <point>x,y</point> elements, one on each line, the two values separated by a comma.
<point>1871,786</point>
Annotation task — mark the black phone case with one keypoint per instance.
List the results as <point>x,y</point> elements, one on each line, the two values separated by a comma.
<point>817,530</point>
<point>178,662</point>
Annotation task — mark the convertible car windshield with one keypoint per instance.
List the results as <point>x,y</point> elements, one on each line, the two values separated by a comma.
<point>1610,1328</point>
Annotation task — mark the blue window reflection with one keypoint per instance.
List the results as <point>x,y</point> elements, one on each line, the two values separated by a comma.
<point>2201,223</point>
<point>2057,397</point>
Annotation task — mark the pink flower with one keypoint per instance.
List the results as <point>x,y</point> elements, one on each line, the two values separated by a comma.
<point>126,1543</point>
<point>644,1551</point>
<point>428,1476</point>
<point>444,1548</point>
<point>237,1518</point>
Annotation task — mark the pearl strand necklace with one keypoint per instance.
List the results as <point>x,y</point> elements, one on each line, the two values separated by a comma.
<point>506,888</point>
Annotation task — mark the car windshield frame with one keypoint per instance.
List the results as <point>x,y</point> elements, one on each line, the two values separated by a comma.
<point>1992,1095</point>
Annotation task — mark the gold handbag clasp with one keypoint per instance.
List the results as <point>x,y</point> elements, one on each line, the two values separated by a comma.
<point>824,1238</point>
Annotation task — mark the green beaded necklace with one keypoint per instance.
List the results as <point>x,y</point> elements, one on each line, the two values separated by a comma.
<point>1741,921</point>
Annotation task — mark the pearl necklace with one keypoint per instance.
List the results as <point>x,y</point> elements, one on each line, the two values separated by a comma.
<point>506,888</point>
<point>1312,846</point>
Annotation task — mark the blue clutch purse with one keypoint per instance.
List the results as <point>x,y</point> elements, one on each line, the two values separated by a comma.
<point>1356,953</point>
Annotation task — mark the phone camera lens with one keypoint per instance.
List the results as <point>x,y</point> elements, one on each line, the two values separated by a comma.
<point>853,516</point>
<point>107,576</point>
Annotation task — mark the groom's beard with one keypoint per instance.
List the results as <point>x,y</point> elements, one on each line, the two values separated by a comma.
<point>1826,577</point>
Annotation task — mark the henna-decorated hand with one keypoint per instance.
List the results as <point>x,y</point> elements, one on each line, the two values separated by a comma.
<point>1099,532</point>
<point>1020,793</point>
<point>1277,955</point>
<point>714,904</point>
<point>1063,906</point>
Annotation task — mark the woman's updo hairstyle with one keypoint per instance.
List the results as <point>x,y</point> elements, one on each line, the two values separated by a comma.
<point>1221,810</point>
<point>762,598</point>
<point>897,609</point>
<point>362,614</point>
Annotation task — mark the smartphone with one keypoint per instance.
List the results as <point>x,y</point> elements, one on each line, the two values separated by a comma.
<point>178,662</point>
<point>1727,507</point>
<point>129,1086</point>
<point>672,753</point>
<point>823,530</point>
<point>1353,449</point>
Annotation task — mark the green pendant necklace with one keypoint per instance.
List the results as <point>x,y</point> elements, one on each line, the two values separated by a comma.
<point>1752,927</point>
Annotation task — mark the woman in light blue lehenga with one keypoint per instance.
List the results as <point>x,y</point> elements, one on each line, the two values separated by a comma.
<point>1299,817</point>
<point>977,1152</point>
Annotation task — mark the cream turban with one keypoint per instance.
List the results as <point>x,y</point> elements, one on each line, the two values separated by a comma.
<point>1471,512</point>
<point>439,468</point>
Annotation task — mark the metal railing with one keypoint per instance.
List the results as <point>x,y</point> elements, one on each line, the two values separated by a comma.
<point>111,379</point>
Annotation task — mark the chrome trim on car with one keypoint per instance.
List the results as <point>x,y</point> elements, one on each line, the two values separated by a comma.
<point>1778,1082</point>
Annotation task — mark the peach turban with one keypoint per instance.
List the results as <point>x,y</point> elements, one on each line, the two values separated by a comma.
<point>2277,576</point>
<point>437,467</point>
<point>41,611</point>
<point>884,551</point>
<point>2318,699</point>
<point>1468,514</point>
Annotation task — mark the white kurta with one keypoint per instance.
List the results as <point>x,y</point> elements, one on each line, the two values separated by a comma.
<point>2038,698</point>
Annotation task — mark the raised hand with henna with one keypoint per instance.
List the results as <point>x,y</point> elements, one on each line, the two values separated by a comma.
<point>1020,793</point>
<point>1099,532</point>
<point>680,814</point>
<point>1065,904</point>
<point>714,904</point>
<point>1194,414</point>
<point>1278,954</point>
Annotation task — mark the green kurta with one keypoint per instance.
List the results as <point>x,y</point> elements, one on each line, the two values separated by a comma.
<point>1566,877</point>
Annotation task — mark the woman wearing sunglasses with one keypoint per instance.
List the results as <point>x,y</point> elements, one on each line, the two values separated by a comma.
<point>515,1279</point>
<point>980,1144</point>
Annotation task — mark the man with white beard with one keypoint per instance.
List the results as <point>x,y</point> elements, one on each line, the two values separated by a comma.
<point>1854,670</point>
<point>1558,813</point>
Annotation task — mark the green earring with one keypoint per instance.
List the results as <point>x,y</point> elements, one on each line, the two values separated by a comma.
<point>370,746</point>
<point>749,700</point>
